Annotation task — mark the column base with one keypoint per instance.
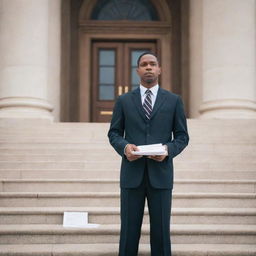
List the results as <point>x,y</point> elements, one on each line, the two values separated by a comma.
<point>25,108</point>
<point>228,109</point>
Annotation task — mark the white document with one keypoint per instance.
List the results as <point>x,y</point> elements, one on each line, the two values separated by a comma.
<point>77,220</point>
<point>150,150</point>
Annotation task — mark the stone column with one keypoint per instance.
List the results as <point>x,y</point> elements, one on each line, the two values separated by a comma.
<point>24,59</point>
<point>54,57</point>
<point>195,57</point>
<point>229,59</point>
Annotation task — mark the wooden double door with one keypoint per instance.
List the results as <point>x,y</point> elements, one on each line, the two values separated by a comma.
<point>114,67</point>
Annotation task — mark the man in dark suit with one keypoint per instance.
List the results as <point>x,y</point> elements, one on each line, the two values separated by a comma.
<point>147,115</point>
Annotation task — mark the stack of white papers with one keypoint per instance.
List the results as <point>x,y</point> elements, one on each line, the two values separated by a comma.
<point>150,150</point>
<point>77,220</point>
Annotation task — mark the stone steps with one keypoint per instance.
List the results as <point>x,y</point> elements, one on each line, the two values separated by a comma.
<point>192,149</point>
<point>181,234</point>
<point>46,169</point>
<point>79,143</point>
<point>207,128</point>
<point>55,146</point>
<point>47,199</point>
<point>99,131</point>
<point>112,250</point>
<point>112,185</point>
<point>111,215</point>
<point>39,174</point>
<point>105,155</point>
<point>110,165</point>
<point>80,140</point>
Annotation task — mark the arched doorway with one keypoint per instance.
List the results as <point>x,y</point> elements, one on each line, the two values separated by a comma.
<point>109,35</point>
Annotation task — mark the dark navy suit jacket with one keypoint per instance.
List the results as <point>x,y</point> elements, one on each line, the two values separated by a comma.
<point>167,126</point>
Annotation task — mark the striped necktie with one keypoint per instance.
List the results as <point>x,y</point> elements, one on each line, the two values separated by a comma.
<point>147,104</point>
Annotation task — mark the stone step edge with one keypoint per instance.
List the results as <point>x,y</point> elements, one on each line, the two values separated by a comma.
<point>108,229</point>
<point>178,181</point>
<point>116,169</point>
<point>115,161</point>
<point>210,147</point>
<point>117,195</point>
<point>115,158</point>
<point>116,210</point>
<point>112,249</point>
<point>98,143</point>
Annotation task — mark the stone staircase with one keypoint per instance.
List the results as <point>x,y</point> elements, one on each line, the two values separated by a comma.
<point>46,169</point>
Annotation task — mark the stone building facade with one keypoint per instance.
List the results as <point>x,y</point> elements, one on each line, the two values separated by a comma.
<point>68,60</point>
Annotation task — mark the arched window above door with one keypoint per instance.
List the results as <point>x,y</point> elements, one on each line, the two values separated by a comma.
<point>136,10</point>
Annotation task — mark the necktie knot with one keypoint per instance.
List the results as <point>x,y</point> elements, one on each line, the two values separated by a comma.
<point>148,92</point>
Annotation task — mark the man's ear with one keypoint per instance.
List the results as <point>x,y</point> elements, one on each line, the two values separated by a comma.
<point>160,71</point>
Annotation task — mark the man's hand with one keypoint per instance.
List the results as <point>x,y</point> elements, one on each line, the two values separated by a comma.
<point>161,157</point>
<point>128,152</point>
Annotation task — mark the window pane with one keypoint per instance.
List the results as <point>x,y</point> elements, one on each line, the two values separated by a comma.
<point>135,78</point>
<point>107,58</point>
<point>107,75</point>
<point>135,56</point>
<point>107,92</point>
<point>140,10</point>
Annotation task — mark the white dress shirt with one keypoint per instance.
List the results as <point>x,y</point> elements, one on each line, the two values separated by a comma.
<point>154,91</point>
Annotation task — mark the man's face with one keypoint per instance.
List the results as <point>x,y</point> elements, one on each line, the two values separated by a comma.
<point>148,70</point>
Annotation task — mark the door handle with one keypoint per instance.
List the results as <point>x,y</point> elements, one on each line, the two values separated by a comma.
<point>106,113</point>
<point>126,89</point>
<point>120,90</point>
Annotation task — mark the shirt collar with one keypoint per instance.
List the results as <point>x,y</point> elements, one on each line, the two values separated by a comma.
<point>153,89</point>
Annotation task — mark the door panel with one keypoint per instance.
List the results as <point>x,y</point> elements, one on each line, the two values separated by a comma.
<point>114,73</point>
<point>105,78</point>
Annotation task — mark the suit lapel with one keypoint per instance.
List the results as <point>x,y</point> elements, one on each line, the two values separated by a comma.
<point>137,101</point>
<point>160,98</point>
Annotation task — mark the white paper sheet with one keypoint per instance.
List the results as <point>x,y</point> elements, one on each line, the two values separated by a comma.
<point>77,220</point>
<point>150,150</point>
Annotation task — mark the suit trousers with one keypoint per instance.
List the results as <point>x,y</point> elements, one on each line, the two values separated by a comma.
<point>132,211</point>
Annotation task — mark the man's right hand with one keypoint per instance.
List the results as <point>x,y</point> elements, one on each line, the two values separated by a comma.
<point>128,152</point>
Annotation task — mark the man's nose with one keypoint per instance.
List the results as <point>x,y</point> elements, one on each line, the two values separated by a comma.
<point>148,67</point>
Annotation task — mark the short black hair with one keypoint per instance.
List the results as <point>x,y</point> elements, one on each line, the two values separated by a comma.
<point>145,53</point>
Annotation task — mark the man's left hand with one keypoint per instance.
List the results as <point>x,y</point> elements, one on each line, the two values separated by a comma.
<point>158,158</point>
<point>161,157</point>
